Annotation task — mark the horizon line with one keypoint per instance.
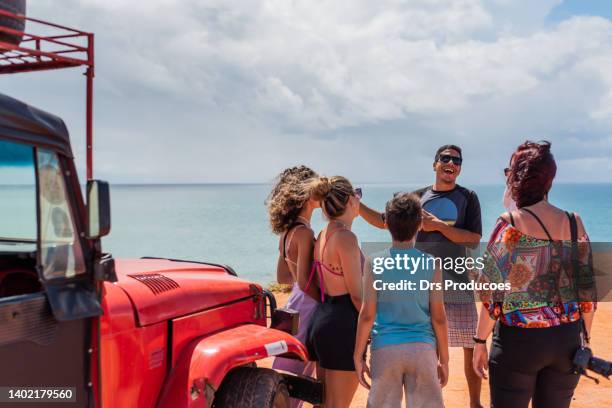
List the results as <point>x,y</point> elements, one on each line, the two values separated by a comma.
<point>267,183</point>
<point>239,183</point>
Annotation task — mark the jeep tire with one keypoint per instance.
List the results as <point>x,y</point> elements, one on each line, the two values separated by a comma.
<point>248,387</point>
<point>15,7</point>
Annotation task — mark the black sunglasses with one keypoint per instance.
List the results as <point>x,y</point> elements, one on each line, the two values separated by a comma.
<point>447,158</point>
<point>358,193</point>
<point>507,171</point>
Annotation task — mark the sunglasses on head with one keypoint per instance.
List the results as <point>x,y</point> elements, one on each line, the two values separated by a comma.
<point>358,193</point>
<point>447,158</point>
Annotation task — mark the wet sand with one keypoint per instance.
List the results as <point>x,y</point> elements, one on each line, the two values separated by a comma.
<point>587,395</point>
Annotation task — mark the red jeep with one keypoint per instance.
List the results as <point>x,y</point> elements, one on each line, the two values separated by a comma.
<point>80,327</point>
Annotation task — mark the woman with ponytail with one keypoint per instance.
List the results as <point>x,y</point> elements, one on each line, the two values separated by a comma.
<point>337,271</point>
<point>290,208</point>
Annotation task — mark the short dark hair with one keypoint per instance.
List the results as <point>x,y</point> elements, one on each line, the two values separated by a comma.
<point>446,147</point>
<point>403,216</point>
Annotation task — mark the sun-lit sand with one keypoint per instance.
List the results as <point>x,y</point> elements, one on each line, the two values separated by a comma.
<point>587,395</point>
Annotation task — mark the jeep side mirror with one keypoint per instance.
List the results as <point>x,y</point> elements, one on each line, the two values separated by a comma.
<point>98,208</point>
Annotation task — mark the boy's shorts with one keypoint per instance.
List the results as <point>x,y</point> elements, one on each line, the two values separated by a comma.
<point>408,367</point>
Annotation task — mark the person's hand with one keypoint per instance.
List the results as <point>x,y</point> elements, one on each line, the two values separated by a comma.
<point>430,222</point>
<point>361,369</point>
<point>443,374</point>
<point>480,361</point>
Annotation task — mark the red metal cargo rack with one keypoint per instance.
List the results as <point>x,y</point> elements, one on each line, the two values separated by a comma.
<point>59,47</point>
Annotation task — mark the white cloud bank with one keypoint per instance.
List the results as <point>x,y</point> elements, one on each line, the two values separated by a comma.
<point>235,90</point>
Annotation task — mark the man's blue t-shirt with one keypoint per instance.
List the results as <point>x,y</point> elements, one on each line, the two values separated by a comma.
<point>458,208</point>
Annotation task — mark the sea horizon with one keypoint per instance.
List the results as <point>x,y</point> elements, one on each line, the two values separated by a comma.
<point>373,183</point>
<point>228,223</point>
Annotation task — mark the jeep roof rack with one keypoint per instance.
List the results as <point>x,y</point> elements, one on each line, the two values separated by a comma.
<point>54,47</point>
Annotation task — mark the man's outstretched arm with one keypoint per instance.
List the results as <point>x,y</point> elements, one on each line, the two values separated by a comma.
<point>371,216</point>
<point>457,235</point>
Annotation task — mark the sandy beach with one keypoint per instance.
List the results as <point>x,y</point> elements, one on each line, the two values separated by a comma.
<point>587,395</point>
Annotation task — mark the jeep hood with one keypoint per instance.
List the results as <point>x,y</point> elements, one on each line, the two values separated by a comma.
<point>161,289</point>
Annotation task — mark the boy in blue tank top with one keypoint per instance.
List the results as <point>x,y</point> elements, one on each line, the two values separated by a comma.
<point>403,313</point>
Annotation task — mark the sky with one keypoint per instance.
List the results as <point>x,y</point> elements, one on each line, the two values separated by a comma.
<point>236,90</point>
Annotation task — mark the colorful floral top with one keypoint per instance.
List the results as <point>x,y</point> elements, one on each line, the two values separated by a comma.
<point>546,287</point>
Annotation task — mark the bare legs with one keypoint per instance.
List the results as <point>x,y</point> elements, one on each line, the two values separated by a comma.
<point>474,382</point>
<point>340,387</point>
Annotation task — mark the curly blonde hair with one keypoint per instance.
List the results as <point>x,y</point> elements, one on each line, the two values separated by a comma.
<point>288,197</point>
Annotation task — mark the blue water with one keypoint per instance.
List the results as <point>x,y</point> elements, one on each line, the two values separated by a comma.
<point>228,223</point>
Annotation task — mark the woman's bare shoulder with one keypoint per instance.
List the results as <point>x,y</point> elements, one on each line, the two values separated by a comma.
<point>347,239</point>
<point>580,224</point>
<point>504,217</point>
<point>304,233</point>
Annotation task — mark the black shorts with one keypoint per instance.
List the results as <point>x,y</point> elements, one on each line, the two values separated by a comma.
<point>331,335</point>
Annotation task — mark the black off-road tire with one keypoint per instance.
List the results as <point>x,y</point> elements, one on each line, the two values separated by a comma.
<point>247,387</point>
<point>15,7</point>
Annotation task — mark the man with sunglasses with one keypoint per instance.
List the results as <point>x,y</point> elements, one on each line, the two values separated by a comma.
<point>451,224</point>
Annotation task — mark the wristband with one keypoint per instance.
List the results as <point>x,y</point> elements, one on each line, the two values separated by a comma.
<point>478,340</point>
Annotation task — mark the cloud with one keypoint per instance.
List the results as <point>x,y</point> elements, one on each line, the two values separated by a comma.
<point>235,90</point>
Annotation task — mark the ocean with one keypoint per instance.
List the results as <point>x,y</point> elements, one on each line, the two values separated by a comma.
<point>227,223</point>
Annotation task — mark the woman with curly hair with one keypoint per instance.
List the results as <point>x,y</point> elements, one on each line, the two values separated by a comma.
<point>544,254</point>
<point>290,210</point>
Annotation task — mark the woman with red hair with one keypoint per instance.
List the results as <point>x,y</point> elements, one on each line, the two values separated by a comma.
<point>544,254</point>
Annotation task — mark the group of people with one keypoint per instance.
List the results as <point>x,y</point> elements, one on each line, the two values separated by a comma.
<point>537,325</point>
